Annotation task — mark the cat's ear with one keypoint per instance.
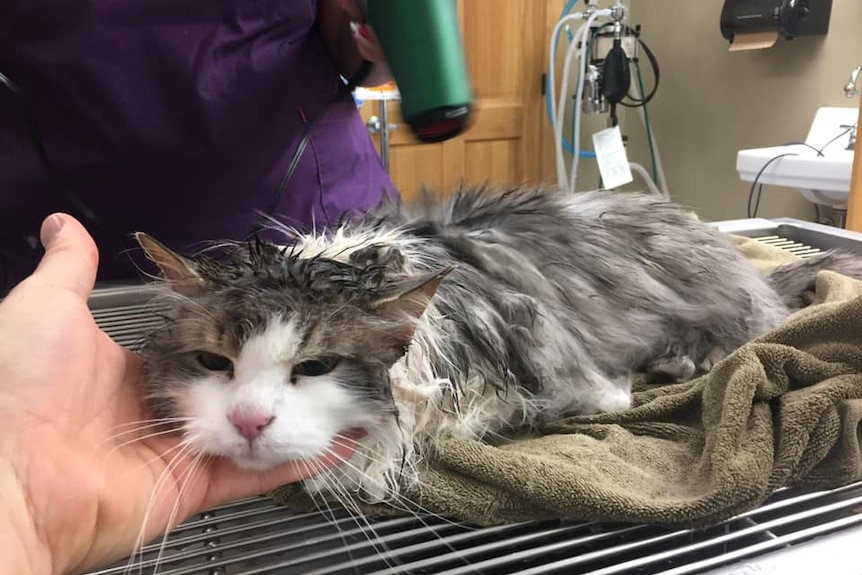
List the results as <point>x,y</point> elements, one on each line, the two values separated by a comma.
<point>409,302</point>
<point>177,270</point>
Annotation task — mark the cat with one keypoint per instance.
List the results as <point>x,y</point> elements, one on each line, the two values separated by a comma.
<point>490,310</point>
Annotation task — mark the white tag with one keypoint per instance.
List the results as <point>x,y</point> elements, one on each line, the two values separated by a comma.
<point>611,156</point>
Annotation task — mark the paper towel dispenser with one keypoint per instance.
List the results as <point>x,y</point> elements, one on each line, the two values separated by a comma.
<point>789,18</point>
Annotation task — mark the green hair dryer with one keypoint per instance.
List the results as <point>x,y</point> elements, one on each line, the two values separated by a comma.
<point>423,45</point>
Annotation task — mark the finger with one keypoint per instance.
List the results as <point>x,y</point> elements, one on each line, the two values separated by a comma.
<point>71,258</point>
<point>229,483</point>
<point>367,44</point>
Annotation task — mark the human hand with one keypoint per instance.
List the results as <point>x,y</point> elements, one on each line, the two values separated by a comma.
<point>76,484</point>
<point>367,43</point>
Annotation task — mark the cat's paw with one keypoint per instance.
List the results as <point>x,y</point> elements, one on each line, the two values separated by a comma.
<point>679,368</point>
<point>614,399</point>
<point>593,393</point>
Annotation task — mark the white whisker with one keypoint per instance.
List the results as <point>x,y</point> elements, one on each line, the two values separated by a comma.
<point>152,502</point>
<point>190,471</point>
<point>342,496</point>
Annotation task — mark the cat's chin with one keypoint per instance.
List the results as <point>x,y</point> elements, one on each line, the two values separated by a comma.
<point>253,464</point>
<point>262,464</point>
<point>265,459</point>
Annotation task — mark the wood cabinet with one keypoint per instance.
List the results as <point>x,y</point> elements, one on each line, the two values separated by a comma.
<point>854,202</point>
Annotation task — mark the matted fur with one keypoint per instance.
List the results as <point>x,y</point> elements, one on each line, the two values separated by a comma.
<point>548,303</point>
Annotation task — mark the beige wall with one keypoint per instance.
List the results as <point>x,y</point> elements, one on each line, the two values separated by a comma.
<point>712,103</point>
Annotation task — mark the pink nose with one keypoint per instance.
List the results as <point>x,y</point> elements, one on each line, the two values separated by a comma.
<point>250,424</point>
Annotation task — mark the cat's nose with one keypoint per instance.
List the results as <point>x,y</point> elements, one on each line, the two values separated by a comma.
<point>250,424</point>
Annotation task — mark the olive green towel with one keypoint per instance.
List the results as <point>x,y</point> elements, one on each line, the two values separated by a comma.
<point>783,410</point>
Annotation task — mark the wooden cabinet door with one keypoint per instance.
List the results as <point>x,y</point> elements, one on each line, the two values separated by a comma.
<point>505,43</point>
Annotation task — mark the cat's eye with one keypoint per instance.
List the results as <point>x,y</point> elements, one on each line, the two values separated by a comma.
<point>314,367</point>
<point>215,362</point>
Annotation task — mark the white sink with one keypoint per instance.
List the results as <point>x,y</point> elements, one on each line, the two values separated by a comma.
<point>823,180</point>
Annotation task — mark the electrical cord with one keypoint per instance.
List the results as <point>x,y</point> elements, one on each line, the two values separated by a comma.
<point>809,146</point>
<point>838,137</point>
<point>550,107</point>
<point>750,213</point>
<point>754,184</point>
<point>644,100</point>
<point>346,89</point>
<point>647,126</point>
<point>58,183</point>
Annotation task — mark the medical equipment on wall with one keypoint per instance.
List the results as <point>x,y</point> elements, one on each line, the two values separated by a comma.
<point>607,76</point>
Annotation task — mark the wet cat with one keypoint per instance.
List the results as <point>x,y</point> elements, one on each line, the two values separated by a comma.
<point>488,310</point>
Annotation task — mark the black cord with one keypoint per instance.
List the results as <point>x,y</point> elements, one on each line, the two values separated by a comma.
<point>809,146</point>
<point>305,137</point>
<point>839,136</point>
<point>52,173</point>
<point>645,99</point>
<point>760,189</point>
<point>760,173</point>
<point>613,120</point>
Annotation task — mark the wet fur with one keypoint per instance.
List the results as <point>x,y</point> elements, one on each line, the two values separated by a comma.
<point>490,310</point>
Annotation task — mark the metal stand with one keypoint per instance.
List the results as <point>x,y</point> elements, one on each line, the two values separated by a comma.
<point>376,125</point>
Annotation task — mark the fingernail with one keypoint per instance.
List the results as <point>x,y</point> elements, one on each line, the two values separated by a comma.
<point>50,228</point>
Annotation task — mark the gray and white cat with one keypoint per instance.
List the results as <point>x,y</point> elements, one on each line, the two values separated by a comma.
<point>483,312</point>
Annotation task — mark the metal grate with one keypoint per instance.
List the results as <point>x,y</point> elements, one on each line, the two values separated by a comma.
<point>256,536</point>
<point>795,248</point>
<point>126,313</point>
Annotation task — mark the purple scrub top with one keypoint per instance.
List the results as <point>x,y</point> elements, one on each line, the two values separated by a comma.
<point>174,117</point>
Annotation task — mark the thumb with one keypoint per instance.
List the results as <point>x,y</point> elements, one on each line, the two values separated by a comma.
<point>71,258</point>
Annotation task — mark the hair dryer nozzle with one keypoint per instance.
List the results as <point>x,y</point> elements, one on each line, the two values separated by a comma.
<point>440,124</point>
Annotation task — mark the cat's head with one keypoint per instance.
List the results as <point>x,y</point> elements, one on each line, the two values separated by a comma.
<point>268,355</point>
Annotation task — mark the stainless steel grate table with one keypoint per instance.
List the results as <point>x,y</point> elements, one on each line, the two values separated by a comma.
<point>792,533</point>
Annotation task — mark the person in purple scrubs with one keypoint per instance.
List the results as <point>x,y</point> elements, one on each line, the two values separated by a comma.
<point>180,119</point>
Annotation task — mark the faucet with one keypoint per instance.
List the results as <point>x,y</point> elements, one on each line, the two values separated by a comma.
<point>851,90</point>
